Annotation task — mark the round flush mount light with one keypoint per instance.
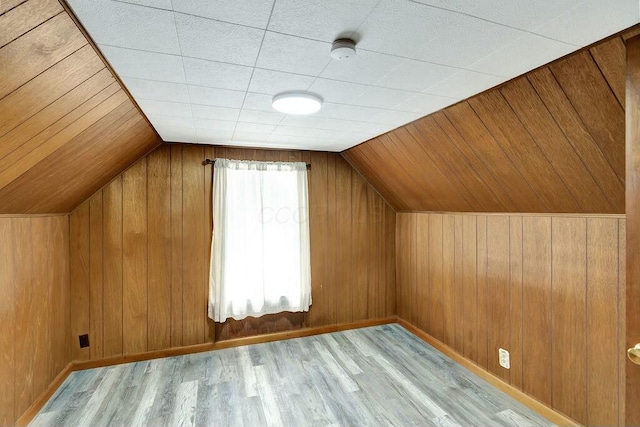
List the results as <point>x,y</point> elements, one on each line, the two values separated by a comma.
<point>343,49</point>
<point>297,102</point>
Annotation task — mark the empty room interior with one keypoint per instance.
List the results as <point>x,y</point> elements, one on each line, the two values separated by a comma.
<point>319,213</point>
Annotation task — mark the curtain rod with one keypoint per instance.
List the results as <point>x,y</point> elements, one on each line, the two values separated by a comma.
<point>210,162</point>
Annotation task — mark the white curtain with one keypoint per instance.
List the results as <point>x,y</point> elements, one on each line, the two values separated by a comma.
<point>260,258</point>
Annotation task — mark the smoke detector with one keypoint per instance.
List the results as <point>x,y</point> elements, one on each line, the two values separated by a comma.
<point>343,49</point>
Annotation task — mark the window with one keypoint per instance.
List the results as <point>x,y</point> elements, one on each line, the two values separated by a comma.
<point>260,260</point>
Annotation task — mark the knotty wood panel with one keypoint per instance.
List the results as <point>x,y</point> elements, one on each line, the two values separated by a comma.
<point>61,107</point>
<point>549,141</point>
<point>34,310</point>
<point>546,289</point>
<point>156,234</point>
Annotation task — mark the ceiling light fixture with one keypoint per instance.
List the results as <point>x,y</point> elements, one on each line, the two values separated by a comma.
<point>297,102</point>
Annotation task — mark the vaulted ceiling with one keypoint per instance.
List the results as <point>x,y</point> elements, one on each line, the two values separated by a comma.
<point>66,125</point>
<point>205,71</point>
<point>549,141</point>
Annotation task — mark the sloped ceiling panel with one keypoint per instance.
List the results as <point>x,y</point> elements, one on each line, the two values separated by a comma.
<point>66,127</point>
<point>549,141</point>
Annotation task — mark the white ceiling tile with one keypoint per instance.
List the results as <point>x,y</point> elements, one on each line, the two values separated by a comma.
<point>329,110</point>
<point>211,136</point>
<point>350,139</point>
<point>463,6</point>
<point>358,113</point>
<point>258,102</point>
<point>592,20</point>
<point>424,104</point>
<point>159,91</point>
<point>216,97</point>
<point>212,124</point>
<point>297,141</point>
<point>254,127</point>
<point>202,72</point>
<point>165,108</point>
<point>218,41</point>
<point>464,84</point>
<point>128,25</point>
<point>311,122</point>
<point>144,65</point>
<point>414,57</point>
<point>176,133</point>
<point>169,121</point>
<point>402,27</point>
<point>378,97</point>
<point>264,117</point>
<point>307,132</point>
<point>415,75</point>
<point>524,14</point>
<point>254,13</point>
<point>250,136</point>
<point>324,20</point>
<point>395,118</point>
<point>336,91</point>
<point>359,136</point>
<point>366,67</point>
<point>293,54</point>
<point>467,40</point>
<point>159,4</point>
<point>526,53</point>
<point>273,82</point>
<point>214,113</point>
<point>373,128</point>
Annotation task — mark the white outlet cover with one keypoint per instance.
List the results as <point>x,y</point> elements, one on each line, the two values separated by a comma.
<point>503,356</point>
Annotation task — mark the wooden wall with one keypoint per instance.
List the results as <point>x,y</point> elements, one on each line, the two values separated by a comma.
<point>549,141</point>
<point>66,127</point>
<point>140,253</point>
<point>34,309</point>
<point>549,289</point>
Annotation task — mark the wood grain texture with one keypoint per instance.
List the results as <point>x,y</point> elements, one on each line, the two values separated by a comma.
<point>63,107</point>
<point>569,346</point>
<point>545,289</point>
<point>416,377</point>
<point>536,281</point>
<point>155,244</point>
<point>498,289</point>
<point>134,258</point>
<point>549,141</point>
<point>79,229</point>
<point>602,339</point>
<point>632,295</point>
<point>34,279</point>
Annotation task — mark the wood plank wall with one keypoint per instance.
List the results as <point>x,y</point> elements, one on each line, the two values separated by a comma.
<point>140,253</point>
<point>34,309</point>
<point>547,288</point>
<point>63,113</point>
<point>551,140</point>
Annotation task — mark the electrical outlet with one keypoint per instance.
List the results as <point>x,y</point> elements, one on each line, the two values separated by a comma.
<point>503,357</point>
<point>84,340</point>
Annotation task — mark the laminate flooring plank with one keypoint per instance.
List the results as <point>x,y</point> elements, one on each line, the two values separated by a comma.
<point>185,405</point>
<point>381,375</point>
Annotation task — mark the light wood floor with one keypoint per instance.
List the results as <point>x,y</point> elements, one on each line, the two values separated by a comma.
<point>374,376</point>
